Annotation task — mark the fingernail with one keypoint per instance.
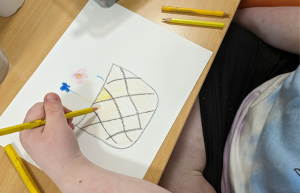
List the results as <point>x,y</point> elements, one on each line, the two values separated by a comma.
<point>51,97</point>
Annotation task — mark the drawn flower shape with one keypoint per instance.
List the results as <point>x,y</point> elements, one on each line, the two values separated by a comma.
<point>80,76</point>
<point>65,87</point>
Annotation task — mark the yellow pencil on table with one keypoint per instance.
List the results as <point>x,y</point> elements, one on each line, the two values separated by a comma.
<point>194,22</point>
<point>20,167</point>
<point>41,122</point>
<point>195,11</point>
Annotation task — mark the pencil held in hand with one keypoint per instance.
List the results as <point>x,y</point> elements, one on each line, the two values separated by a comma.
<point>195,11</point>
<point>41,122</point>
<point>194,22</point>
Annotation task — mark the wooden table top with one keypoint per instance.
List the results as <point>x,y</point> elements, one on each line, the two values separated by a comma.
<point>29,35</point>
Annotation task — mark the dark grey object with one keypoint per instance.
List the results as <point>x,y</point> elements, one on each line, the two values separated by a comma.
<point>4,64</point>
<point>106,3</point>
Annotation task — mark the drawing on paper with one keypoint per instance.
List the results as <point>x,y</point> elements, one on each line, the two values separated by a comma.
<point>80,76</point>
<point>127,105</point>
<point>66,87</point>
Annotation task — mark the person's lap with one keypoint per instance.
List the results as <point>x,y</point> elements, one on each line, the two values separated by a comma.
<point>242,63</point>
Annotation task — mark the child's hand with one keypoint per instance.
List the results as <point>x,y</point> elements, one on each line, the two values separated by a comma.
<point>54,147</point>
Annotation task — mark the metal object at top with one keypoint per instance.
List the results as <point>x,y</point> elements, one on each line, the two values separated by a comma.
<point>4,65</point>
<point>106,3</point>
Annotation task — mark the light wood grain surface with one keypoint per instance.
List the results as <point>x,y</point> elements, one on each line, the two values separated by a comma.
<point>29,35</point>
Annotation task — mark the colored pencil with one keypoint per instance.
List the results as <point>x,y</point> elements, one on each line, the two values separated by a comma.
<point>194,22</point>
<point>20,167</point>
<point>41,122</point>
<point>195,11</point>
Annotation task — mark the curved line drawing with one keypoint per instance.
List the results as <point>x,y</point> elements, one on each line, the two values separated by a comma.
<point>101,78</point>
<point>123,79</point>
<point>122,131</point>
<point>128,105</point>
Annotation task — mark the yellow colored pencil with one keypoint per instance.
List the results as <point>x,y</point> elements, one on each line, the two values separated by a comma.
<point>41,122</point>
<point>194,22</point>
<point>195,11</point>
<point>20,167</point>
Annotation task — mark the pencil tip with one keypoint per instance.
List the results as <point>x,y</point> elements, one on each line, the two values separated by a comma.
<point>97,106</point>
<point>226,14</point>
<point>167,19</point>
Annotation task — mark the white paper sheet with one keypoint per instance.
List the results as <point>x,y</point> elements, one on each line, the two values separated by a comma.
<point>145,53</point>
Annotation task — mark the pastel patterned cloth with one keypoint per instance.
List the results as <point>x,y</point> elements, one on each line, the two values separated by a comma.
<point>262,152</point>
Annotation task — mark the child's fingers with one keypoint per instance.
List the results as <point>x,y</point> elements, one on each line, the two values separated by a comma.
<point>55,117</point>
<point>36,112</point>
<point>72,126</point>
<point>69,120</point>
<point>66,110</point>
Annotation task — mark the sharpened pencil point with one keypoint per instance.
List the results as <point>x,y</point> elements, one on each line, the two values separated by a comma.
<point>227,14</point>
<point>95,108</point>
<point>166,19</point>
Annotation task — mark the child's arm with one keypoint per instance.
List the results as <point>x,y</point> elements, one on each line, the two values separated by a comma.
<point>55,149</point>
<point>277,26</point>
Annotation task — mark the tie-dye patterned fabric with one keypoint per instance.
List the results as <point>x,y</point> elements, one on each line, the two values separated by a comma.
<point>262,152</point>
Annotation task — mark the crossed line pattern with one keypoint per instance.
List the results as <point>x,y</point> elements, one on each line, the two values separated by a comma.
<point>123,79</point>
<point>117,133</point>
<point>124,96</point>
<point>121,117</point>
<point>113,119</point>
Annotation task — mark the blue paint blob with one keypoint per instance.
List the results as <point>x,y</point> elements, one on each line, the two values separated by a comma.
<point>65,87</point>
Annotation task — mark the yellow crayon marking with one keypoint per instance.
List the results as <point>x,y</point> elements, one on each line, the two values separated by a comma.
<point>103,95</point>
<point>92,84</point>
<point>67,106</point>
<point>85,98</point>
